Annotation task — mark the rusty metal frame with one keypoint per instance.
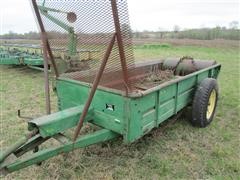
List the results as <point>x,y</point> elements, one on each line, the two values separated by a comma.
<point>120,45</point>
<point>47,54</point>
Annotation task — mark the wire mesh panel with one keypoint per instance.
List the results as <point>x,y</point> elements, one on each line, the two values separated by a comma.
<point>80,31</point>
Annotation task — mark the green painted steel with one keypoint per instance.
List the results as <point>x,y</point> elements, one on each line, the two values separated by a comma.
<point>72,42</point>
<point>44,11</point>
<point>16,54</point>
<point>72,93</point>
<point>12,148</point>
<point>96,137</point>
<point>52,124</point>
<point>6,59</point>
<point>33,61</point>
<point>133,117</point>
<point>72,45</point>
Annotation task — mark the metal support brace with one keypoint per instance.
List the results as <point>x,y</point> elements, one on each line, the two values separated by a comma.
<point>96,137</point>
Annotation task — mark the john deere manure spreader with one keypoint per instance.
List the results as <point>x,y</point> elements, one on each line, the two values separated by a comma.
<point>123,98</point>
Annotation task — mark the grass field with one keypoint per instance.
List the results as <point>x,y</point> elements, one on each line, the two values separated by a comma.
<point>173,151</point>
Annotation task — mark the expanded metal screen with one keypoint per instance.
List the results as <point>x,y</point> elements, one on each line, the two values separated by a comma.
<point>93,30</point>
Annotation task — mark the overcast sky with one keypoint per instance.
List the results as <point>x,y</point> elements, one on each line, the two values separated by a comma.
<point>17,16</point>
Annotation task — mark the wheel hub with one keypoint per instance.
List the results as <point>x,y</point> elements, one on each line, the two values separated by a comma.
<point>211,104</point>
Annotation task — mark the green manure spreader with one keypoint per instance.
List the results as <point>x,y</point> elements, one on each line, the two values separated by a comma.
<point>121,97</point>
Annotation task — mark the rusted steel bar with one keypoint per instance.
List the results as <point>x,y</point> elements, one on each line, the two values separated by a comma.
<point>52,59</point>
<point>47,89</point>
<point>94,87</point>
<point>45,57</point>
<point>44,39</point>
<point>120,44</point>
<point>46,75</point>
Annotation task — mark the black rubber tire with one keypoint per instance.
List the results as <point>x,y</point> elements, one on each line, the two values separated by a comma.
<point>200,102</point>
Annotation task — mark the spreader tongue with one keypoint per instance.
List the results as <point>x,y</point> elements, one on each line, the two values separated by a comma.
<point>19,143</point>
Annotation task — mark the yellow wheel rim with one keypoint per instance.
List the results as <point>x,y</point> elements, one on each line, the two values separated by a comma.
<point>211,103</point>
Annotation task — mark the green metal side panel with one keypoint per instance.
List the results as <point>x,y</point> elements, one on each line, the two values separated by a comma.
<point>187,84</point>
<point>133,117</point>
<point>202,76</point>
<point>184,98</point>
<point>142,116</point>
<point>108,121</point>
<point>166,110</point>
<point>185,91</point>
<point>149,111</point>
<point>133,121</point>
<point>167,99</point>
<point>108,107</point>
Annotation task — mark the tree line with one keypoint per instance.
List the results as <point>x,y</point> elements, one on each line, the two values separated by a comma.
<point>201,33</point>
<point>13,35</point>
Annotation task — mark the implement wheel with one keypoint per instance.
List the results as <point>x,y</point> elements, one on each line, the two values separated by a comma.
<point>204,103</point>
